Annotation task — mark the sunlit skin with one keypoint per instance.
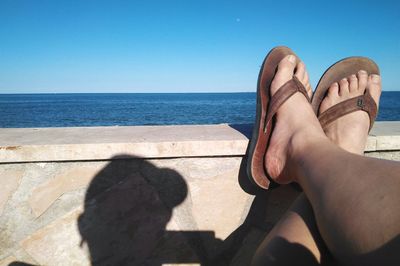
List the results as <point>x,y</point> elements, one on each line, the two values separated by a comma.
<point>345,190</point>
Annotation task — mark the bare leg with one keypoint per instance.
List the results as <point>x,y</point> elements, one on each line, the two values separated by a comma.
<point>296,233</point>
<point>298,224</point>
<point>355,201</point>
<point>356,212</point>
<point>295,238</point>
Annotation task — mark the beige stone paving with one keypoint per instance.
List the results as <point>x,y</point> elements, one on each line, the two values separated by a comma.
<point>10,179</point>
<point>202,198</point>
<point>58,243</point>
<point>46,193</point>
<point>7,261</point>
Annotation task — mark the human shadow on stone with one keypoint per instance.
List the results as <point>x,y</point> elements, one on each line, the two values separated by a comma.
<point>127,207</point>
<point>245,129</point>
<point>265,210</point>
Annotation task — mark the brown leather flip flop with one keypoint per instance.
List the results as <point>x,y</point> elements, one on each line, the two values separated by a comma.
<point>338,71</point>
<point>267,106</point>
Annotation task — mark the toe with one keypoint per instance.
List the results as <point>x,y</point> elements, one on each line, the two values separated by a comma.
<point>353,85</point>
<point>331,98</point>
<point>333,91</point>
<point>300,71</point>
<point>284,73</point>
<point>306,81</point>
<point>374,87</point>
<point>302,75</point>
<point>362,76</point>
<point>344,88</point>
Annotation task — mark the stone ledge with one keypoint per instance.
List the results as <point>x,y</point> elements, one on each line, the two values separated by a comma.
<point>101,143</point>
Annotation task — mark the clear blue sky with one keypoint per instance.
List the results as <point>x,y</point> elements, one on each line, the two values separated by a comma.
<point>184,46</point>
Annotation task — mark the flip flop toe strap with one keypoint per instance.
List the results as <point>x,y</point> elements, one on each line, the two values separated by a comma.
<point>363,102</point>
<point>281,96</point>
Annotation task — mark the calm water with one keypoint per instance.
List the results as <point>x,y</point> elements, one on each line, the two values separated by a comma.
<point>61,110</point>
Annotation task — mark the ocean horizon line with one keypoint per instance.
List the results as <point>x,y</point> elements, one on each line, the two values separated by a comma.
<point>199,92</point>
<point>129,109</point>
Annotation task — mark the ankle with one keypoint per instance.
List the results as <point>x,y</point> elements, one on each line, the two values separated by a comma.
<point>356,147</point>
<point>301,146</point>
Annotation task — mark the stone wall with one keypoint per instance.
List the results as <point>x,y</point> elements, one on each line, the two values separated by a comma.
<point>138,195</point>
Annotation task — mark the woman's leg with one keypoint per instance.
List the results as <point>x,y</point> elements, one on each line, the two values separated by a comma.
<point>356,212</point>
<point>298,224</point>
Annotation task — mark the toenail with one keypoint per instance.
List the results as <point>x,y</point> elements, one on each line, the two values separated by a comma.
<point>344,80</point>
<point>353,76</point>
<point>292,58</point>
<point>335,84</point>
<point>362,72</point>
<point>376,78</point>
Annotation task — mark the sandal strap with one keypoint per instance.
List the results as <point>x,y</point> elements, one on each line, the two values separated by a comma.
<point>281,96</point>
<point>363,102</point>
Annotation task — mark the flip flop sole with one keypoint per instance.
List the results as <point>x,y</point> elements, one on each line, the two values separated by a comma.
<point>340,70</point>
<point>259,141</point>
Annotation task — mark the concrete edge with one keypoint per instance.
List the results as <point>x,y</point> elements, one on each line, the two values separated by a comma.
<point>103,143</point>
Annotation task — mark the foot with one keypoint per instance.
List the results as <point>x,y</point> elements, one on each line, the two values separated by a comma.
<point>350,132</point>
<point>295,121</point>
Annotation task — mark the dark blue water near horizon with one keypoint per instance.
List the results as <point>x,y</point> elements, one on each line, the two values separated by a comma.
<point>127,109</point>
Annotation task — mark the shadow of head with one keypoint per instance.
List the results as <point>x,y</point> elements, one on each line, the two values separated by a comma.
<point>127,207</point>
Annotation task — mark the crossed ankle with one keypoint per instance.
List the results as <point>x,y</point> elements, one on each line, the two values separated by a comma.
<point>301,145</point>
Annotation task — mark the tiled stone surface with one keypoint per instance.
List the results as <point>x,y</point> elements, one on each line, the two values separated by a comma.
<point>387,143</point>
<point>57,243</point>
<point>384,136</point>
<point>386,128</point>
<point>18,219</point>
<point>9,180</point>
<point>175,211</point>
<point>371,143</point>
<point>48,192</point>
<point>7,261</point>
<point>213,205</point>
<point>22,256</point>
<point>388,155</point>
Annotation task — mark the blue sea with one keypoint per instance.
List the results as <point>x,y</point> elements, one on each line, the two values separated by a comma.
<point>119,109</point>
